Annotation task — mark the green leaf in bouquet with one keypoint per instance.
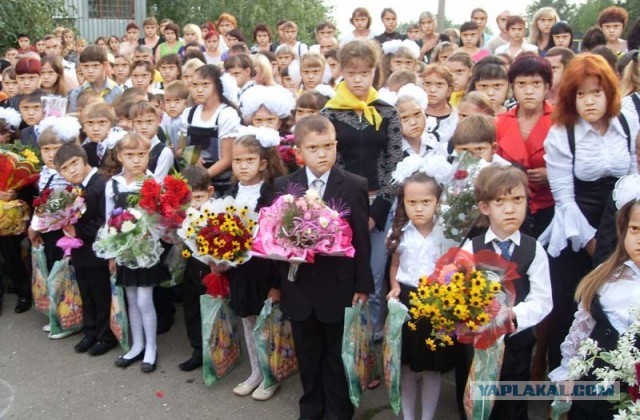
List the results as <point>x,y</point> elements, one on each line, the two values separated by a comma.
<point>191,155</point>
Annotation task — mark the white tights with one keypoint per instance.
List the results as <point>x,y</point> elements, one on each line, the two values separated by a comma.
<point>430,392</point>
<point>143,322</point>
<point>256,374</point>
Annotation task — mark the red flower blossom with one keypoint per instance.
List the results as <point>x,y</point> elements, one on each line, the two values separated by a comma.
<point>460,174</point>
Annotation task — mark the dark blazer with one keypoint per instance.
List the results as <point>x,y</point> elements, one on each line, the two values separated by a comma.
<point>327,286</point>
<point>88,225</point>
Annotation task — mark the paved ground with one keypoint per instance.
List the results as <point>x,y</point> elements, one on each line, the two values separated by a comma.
<point>46,379</point>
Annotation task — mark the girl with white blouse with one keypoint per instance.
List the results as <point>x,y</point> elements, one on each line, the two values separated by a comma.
<point>587,150</point>
<point>606,297</point>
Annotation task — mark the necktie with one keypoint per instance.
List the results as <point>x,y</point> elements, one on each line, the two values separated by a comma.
<point>505,248</point>
<point>318,185</point>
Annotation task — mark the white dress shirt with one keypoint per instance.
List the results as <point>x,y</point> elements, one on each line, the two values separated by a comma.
<point>596,156</point>
<point>616,298</point>
<point>538,303</point>
<point>311,177</point>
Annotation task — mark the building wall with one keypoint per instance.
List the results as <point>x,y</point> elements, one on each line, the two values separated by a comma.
<point>91,28</point>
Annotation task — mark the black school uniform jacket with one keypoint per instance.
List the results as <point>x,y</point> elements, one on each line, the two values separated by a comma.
<point>88,225</point>
<point>327,286</point>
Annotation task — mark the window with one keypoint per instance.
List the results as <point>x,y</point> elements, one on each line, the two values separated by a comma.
<point>111,9</point>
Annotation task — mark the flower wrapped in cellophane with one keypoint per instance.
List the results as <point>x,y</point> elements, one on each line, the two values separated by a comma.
<point>166,204</point>
<point>14,217</point>
<point>221,232</point>
<point>462,296</point>
<point>57,208</point>
<point>297,227</point>
<point>458,209</point>
<point>127,237</point>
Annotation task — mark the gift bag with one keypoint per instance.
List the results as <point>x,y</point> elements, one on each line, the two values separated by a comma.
<point>118,320</point>
<point>65,311</point>
<point>485,367</point>
<point>391,351</point>
<point>358,356</point>
<point>274,343</point>
<point>220,339</point>
<point>39,290</point>
<point>175,263</point>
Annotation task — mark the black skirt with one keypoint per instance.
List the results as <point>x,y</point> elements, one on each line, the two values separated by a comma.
<point>415,351</point>
<point>249,286</point>
<point>141,277</point>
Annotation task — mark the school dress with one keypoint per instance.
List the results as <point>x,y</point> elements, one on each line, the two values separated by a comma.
<point>418,256</point>
<point>583,167</point>
<point>208,136</point>
<point>609,317</point>
<point>117,193</point>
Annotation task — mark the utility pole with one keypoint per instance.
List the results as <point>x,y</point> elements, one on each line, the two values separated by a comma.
<point>440,20</point>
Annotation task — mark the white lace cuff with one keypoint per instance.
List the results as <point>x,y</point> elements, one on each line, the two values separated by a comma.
<point>580,330</point>
<point>568,224</point>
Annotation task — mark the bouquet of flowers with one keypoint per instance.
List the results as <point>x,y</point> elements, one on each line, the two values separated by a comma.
<point>221,232</point>
<point>463,295</point>
<point>295,228</point>
<point>287,151</point>
<point>458,209</point>
<point>24,152</point>
<point>55,209</point>
<point>166,205</point>
<point>127,237</point>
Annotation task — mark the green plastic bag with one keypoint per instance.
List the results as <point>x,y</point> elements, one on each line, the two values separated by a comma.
<point>274,343</point>
<point>39,289</point>
<point>358,355</point>
<point>175,263</point>
<point>118,319</point>
<point>391,351</point>
<point>65,311</point>
<point>485,367</point>
<point>220,339</point>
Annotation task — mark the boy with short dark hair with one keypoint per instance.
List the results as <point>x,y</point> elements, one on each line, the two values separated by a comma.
<point>94,65</point>
<point>97,120</point>
<point>144,118</point>
<point>476,134</point>
<point>24,44</point>
<point>194,271</point>
<point>176,95</point>
<point>501,193</point>
<point>32,113</point>
<point>92,273</point>
<point>316,300</point>
<point>170,68</point>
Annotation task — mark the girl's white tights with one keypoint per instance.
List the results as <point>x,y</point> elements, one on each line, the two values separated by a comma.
<point>143,323</point>
<point>430,392</point>
<point>256,374</point>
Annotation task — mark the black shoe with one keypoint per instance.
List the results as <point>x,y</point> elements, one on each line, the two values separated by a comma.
<point>84,344</point>
<point>122,362</point>
<point>164,325</point>
<point>101,347</point>
<point>191,364</point>
<point>23,305</point>
<point>149,367</point>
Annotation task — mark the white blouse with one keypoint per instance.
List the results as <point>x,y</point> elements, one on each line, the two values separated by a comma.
<point>249,194</point>
<point>110,195</point>
<point>227,119</point>
<point>616,298</point>
<point>418,254</point>
<point>428,144</point>
<point>596,156</point>
<point>629,106</point>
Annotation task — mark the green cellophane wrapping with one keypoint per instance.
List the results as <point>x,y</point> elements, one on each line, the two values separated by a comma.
<point>391,351</point>
<point>220,339</point>
<point>118,319</point>
<point>39,289</point>
<point>65,311</point>
<point>274,343</point>
<point>358,355</point>
<point>486,366</point>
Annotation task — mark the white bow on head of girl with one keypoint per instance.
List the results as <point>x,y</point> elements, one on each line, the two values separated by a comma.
<point>115,135</point>
<point>392,47</point>
<point>627,189</point>
<point>267,137</point>
<point>436,166</point>
<point>276,99</point>
<point>11,117</point>
<point>66,128</point>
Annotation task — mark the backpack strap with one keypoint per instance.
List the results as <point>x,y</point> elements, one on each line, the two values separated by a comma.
<point>571,138</point>
<point>192,112</point>
<point>636,102</point>
<point>625,128</point>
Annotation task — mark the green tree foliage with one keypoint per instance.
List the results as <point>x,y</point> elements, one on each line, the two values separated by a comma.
<point>565,10</point>
<point>33,17</point>
<point>306,13</point>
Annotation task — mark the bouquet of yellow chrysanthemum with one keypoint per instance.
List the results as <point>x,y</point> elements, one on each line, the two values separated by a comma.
<point>221,232</point>
<point>463,295</point>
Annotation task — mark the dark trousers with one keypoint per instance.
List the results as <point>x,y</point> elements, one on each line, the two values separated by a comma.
<point>324,381</point>
<point>14,266</point>
<point>192,289</point>
<point>95,290</point>
<point>516,366</point>
<point>52,251</point>
<point>162,300</point>
<point>463,354</point>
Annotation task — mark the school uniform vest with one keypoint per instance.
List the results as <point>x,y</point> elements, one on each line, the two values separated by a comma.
<point>523,255</point>
<point>119,197</point>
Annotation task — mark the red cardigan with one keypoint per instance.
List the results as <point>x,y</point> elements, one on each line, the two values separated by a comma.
<point>527,154</point>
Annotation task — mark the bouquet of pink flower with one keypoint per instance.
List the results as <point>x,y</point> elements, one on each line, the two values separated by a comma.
<point>296,228</point>
<point>55,209</point>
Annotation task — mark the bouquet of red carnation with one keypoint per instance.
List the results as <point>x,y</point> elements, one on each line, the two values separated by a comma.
<point>288,154</point>
<point>57,208</point>
<point>166,205</point>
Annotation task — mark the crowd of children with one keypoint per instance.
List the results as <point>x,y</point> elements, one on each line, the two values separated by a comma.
<point>557,130</point>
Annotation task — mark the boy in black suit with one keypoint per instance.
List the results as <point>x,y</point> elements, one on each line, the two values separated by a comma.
<point>316,300</point>
<point>92,273</point>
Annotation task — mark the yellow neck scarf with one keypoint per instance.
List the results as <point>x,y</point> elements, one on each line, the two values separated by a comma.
<point>344,99</point>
